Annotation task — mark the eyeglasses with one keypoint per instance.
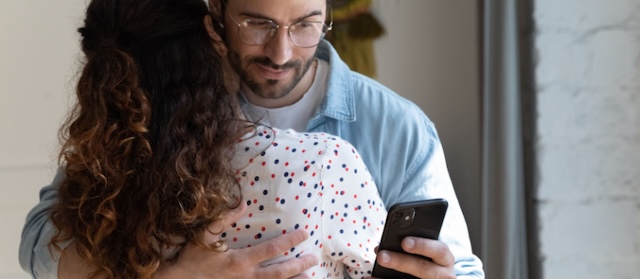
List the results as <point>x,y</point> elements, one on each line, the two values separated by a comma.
<point>306,34</point>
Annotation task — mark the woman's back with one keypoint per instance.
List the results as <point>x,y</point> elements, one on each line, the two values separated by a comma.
<point>311,181</point>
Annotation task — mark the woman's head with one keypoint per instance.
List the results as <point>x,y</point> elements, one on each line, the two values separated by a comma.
<point>147,145</point>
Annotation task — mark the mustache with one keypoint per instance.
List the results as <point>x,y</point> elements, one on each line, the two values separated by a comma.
<point>266,62</point>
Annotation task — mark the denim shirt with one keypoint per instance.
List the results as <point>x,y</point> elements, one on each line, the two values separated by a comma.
<point>396,140</point>
<point>399,145</point>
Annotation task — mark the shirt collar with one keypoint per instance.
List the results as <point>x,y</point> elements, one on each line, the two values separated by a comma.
<point>339,101</point>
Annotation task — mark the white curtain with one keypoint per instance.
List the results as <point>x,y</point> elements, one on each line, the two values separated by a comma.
<point>505,174</point>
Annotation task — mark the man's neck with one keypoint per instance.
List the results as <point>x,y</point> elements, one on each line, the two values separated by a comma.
<point>294,96</point>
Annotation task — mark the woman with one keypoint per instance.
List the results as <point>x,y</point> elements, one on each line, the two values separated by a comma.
<point>156,151</point>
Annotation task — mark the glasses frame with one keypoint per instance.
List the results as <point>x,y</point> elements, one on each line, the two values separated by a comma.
<point>325,28</point>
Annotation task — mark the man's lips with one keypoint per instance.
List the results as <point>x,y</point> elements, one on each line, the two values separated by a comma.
<point>272,73</point>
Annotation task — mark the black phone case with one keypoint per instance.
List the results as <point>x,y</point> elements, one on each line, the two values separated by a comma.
<point>419,218</point>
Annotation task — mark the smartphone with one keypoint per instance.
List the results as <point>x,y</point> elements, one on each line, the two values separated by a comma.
<point>418,218</point>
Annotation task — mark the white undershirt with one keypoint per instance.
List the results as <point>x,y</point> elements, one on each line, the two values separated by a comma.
<point>297,115</point>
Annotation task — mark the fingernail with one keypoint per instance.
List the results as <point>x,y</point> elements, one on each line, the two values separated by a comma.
<point>384,257</point>
<point>409,243</point>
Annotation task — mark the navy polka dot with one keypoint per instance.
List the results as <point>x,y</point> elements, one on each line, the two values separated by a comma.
<point>342,211</point>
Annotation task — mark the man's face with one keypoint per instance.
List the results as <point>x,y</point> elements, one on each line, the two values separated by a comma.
<point>274,69</point>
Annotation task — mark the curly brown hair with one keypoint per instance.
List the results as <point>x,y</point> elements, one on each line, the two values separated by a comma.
<point>146,148</point>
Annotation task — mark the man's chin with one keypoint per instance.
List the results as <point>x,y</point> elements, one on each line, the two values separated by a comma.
<point>269,92</point>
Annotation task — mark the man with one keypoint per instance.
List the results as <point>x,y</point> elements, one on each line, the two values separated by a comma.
<point>292,82</point>
<point>293,79</point>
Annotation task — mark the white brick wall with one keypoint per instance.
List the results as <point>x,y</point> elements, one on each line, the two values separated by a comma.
<point>588,80</point>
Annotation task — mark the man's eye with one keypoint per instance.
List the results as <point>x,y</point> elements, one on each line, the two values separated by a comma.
<point>305,24</point>
<point>256,23</point>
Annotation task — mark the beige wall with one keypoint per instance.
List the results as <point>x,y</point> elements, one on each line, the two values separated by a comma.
<point>37,59</point>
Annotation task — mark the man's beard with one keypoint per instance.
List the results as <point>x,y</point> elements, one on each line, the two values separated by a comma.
<point>272,89</point>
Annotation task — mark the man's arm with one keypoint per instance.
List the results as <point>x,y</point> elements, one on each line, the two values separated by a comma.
<point>451,254</point>
<point>193,262</point>
<point>196,262</point>
<point>34,254</point>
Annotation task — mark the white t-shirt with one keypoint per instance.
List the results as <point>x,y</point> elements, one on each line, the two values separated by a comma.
<point>311,181</point>
<point>295,116</point>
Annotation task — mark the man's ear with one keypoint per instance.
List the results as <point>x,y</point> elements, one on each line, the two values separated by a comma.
<point>208,25</point>
<point>218,44</point>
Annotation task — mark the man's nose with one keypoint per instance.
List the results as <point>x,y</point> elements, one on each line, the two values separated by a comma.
<point>280,48</point>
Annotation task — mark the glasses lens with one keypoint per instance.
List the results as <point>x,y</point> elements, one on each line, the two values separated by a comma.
<point>306,33</point>
<point>256,32</point>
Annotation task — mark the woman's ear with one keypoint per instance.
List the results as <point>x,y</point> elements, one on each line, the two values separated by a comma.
<point>218,44</point>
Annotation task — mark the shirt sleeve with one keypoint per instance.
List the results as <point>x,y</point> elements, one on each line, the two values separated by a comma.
<point>354,213</point>
<point>429,178</point>
<point>34,254</point>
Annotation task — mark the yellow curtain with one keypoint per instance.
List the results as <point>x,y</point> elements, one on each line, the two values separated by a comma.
<point>353,34</point>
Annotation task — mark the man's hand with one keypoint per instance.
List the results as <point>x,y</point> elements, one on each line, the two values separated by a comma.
<point>196,262</point>
<point>440,268</point>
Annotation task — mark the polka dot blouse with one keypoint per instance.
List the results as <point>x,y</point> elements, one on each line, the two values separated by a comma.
<point>311,181</point>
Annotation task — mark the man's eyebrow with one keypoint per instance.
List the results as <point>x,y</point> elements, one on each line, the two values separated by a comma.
<point>261,16</point>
